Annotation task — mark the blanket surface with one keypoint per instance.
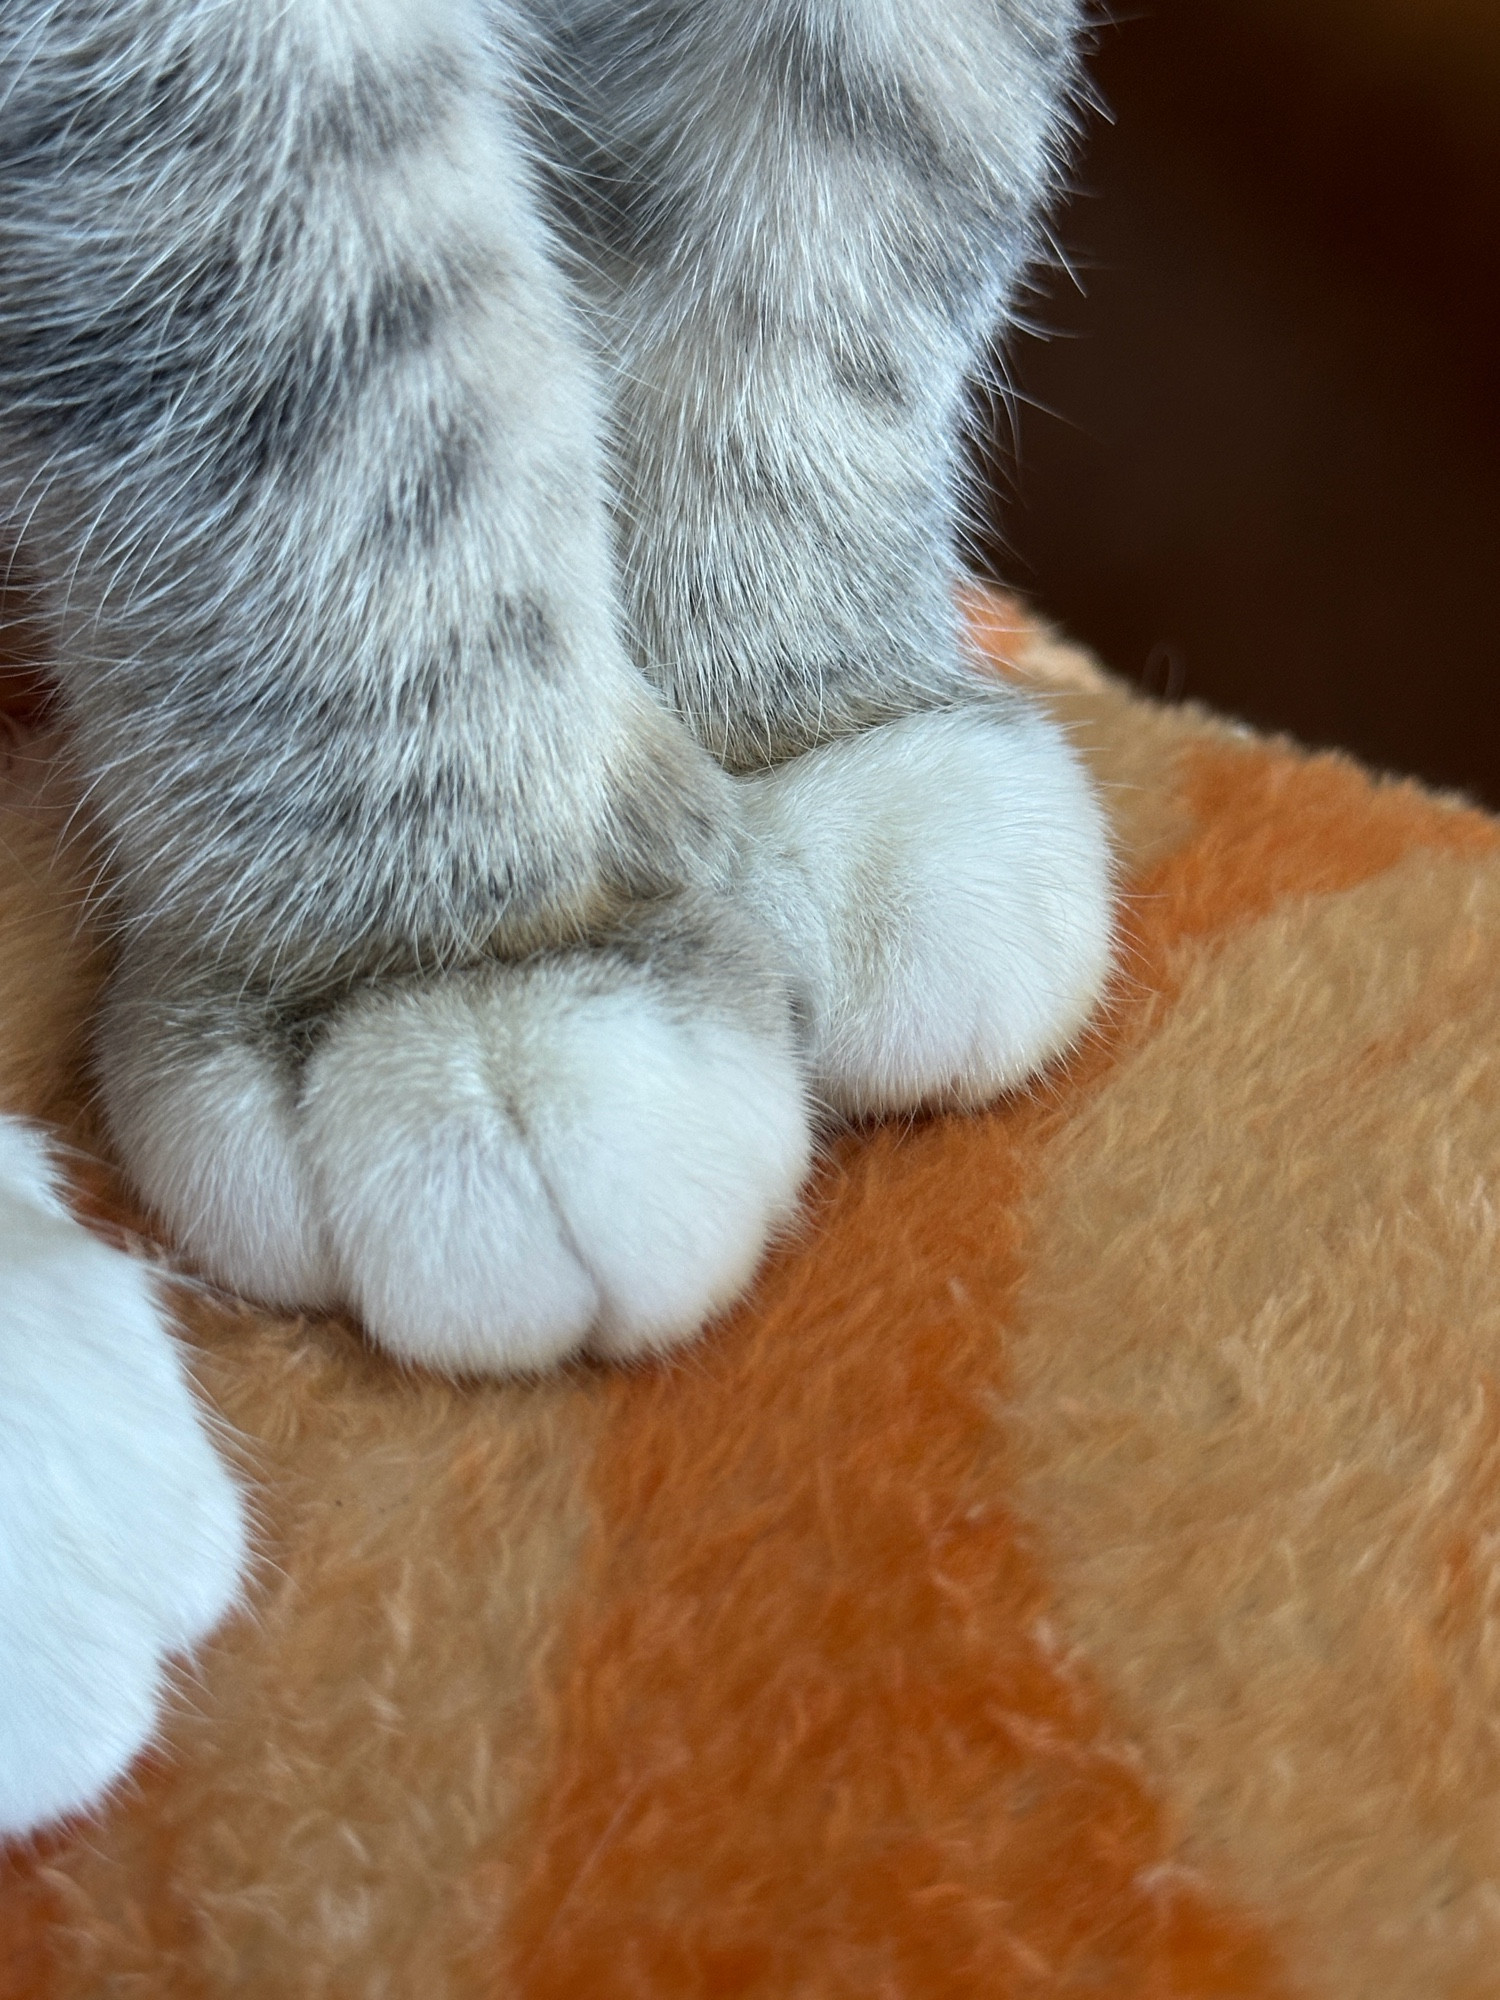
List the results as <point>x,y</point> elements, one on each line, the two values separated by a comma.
<point>1074,1571</point>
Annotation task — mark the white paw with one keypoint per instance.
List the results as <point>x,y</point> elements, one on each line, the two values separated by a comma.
<point>122,1537</point>
<point>496,1170</point>
<point>943,885</point>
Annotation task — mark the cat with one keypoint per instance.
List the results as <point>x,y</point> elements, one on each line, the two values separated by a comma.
<point>494,466</point>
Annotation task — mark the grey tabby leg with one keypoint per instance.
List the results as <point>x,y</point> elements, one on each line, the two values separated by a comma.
<point>799,221</point>
<point>432,997</point>
<point>802,220</point>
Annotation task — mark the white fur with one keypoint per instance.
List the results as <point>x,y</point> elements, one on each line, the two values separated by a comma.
<point>494,1171</point>
<point>213,1135</point>
<point>513,1166</point>
<point>943,885</point>
<point>122,1537</point>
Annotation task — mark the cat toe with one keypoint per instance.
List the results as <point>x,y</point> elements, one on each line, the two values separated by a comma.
<point>444,1236</point>
<point>204,1110</point>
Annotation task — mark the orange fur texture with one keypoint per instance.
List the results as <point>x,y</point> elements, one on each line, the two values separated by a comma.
<point>1075,1571</point>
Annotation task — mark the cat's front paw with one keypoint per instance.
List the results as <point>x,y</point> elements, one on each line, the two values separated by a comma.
<point>943,885</point>
<point>496,1169</point>
<point>122,1537</point>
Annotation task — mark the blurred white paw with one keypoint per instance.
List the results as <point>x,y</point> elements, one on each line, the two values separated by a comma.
<point>122,1537</point>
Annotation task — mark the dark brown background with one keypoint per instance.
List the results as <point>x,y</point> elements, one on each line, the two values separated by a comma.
<point>1265,469</point>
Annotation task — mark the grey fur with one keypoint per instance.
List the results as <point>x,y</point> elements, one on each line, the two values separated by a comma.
<point>411,403</point>
<point>830,202</point>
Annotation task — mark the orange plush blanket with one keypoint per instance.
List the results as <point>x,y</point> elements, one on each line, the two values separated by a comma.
<point>1076,1570</point>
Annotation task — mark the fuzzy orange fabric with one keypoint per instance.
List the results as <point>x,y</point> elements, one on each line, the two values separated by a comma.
<point>1074,1571</point>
